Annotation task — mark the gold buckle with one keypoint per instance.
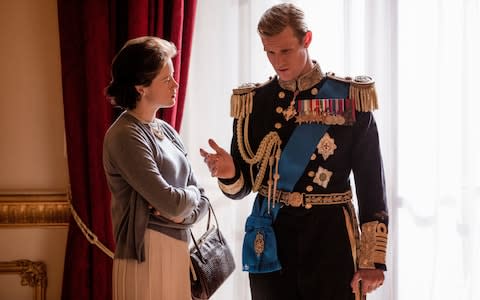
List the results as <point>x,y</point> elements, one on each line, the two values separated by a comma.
<point>295,199</point>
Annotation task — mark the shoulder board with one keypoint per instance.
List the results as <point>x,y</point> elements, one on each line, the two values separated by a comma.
<point>361,80</point>
<point>244,88</point>
<point>249,87</point>
<point>362,90</point>
<point>242,99</point>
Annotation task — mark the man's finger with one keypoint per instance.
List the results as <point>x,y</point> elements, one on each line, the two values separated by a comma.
<point>203,153</point>
<point>215,146</point>
<point>355,280</point>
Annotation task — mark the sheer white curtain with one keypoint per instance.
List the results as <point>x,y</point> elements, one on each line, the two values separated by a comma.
<point>438,157</point>
<point>424,56</point>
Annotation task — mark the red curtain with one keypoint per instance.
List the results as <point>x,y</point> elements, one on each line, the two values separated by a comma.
<point>91,32</point>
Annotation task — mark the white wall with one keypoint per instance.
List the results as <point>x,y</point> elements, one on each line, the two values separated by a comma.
<point>32,154</point>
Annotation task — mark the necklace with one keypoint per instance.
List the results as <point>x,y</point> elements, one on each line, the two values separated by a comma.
<point>156,129</point>
<point>155,126</point>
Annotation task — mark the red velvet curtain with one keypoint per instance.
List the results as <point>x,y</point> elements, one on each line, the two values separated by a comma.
<point>91,32</point>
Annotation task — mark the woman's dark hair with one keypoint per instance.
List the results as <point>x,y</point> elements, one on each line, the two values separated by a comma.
<point>137,63</point>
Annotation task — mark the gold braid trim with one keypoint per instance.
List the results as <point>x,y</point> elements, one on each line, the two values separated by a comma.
<point>233,188</point>
<point>267,155</point>
<point>268,152</point>
<point>373,245</point>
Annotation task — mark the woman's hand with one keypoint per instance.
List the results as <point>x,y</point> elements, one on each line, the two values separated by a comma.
<point>155,212</point>
<point>220,164</point>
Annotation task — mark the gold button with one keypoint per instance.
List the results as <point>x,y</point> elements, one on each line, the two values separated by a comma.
<point>309,188</point>
<point>278,125</point>
<point>279,109</point>
<point>281,95</point>
<point>314,91</point>
<point>308,205</point>
<point>311,174</point>
<point>313,157</point>
<point>323,176</point>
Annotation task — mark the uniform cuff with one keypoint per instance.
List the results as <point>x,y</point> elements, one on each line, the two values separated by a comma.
<point>232,187</point>
<point>373,245</point>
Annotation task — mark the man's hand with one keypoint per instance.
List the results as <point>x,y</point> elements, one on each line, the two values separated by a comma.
<point>371,279</point>
<point>219,163</point>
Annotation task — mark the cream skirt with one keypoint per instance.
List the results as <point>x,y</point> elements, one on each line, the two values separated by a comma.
<point>164,275</point>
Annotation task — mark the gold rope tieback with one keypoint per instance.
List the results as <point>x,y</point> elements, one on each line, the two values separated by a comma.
<point>89,235</point>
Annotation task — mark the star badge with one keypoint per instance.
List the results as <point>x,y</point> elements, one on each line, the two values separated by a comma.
<point>322,177</point>
<point>326,146</point>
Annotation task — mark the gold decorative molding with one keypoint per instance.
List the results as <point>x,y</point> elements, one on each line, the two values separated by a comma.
<point>32,273</point>
<point>44,208</point>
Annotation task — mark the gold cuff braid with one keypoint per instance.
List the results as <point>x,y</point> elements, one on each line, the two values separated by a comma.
<point>373,245</point>
<point>233,188</point>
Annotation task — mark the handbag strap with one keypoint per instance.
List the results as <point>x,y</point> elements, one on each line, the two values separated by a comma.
<point>210,212</point>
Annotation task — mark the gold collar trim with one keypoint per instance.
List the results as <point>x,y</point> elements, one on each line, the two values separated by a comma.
<point>304,82</point>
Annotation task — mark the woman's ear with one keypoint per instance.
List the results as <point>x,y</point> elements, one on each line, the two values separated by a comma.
<point>307,39</point>
<point>140,89</point>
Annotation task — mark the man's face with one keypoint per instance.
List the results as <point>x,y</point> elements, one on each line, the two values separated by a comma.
<point>287,54</point>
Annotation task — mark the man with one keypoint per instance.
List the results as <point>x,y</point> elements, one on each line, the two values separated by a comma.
<point>296,140</point>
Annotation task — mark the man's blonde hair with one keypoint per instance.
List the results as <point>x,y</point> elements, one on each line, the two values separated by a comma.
<point>278,17</point>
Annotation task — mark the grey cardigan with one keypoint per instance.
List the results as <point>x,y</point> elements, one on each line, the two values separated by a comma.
<point>145,171</point>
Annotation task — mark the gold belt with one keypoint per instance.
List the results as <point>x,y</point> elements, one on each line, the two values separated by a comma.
<point>297,199</point>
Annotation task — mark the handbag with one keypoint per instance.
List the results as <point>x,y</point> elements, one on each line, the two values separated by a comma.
<point>211,260</point>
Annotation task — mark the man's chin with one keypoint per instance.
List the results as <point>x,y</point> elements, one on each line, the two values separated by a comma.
<point>284,77</point>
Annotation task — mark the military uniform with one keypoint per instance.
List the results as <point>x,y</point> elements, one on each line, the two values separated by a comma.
<point>316,230</point>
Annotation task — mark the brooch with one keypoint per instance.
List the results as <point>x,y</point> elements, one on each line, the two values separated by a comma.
<point>259,244</point>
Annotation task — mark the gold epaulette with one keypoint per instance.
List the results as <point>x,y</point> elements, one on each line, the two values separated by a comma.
<point>242,99</point>
<point>362,90</point>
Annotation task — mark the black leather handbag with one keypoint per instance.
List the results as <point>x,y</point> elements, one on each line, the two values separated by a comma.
<point>212,261</point>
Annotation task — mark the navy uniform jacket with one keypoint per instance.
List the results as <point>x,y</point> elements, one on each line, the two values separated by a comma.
<point>349,145</point>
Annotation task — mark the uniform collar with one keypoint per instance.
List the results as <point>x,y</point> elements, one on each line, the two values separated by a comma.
<point>305,81</point>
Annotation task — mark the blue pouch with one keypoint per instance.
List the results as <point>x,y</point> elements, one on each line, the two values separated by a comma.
<point>259,253</point>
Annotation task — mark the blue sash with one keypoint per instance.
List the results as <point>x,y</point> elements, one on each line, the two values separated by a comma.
<point>259,234</point>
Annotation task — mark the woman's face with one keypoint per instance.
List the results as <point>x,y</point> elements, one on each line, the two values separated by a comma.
<point>163,89</point>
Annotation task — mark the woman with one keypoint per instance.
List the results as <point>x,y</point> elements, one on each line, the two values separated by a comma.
<point>155,196</point>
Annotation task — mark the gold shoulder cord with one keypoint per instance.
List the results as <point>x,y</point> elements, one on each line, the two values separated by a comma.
<point>268,152</point>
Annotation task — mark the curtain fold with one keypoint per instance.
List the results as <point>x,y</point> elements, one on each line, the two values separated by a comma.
<point>85,54</point>
<point>91,32</point>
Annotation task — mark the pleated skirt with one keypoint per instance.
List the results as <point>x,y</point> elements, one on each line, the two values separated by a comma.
<point>164,275</point>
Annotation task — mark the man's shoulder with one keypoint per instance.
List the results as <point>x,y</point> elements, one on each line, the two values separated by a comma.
<point>242,97</point>
<point>250,87</point>
<point>361,90</point>
<point>360,80</point>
